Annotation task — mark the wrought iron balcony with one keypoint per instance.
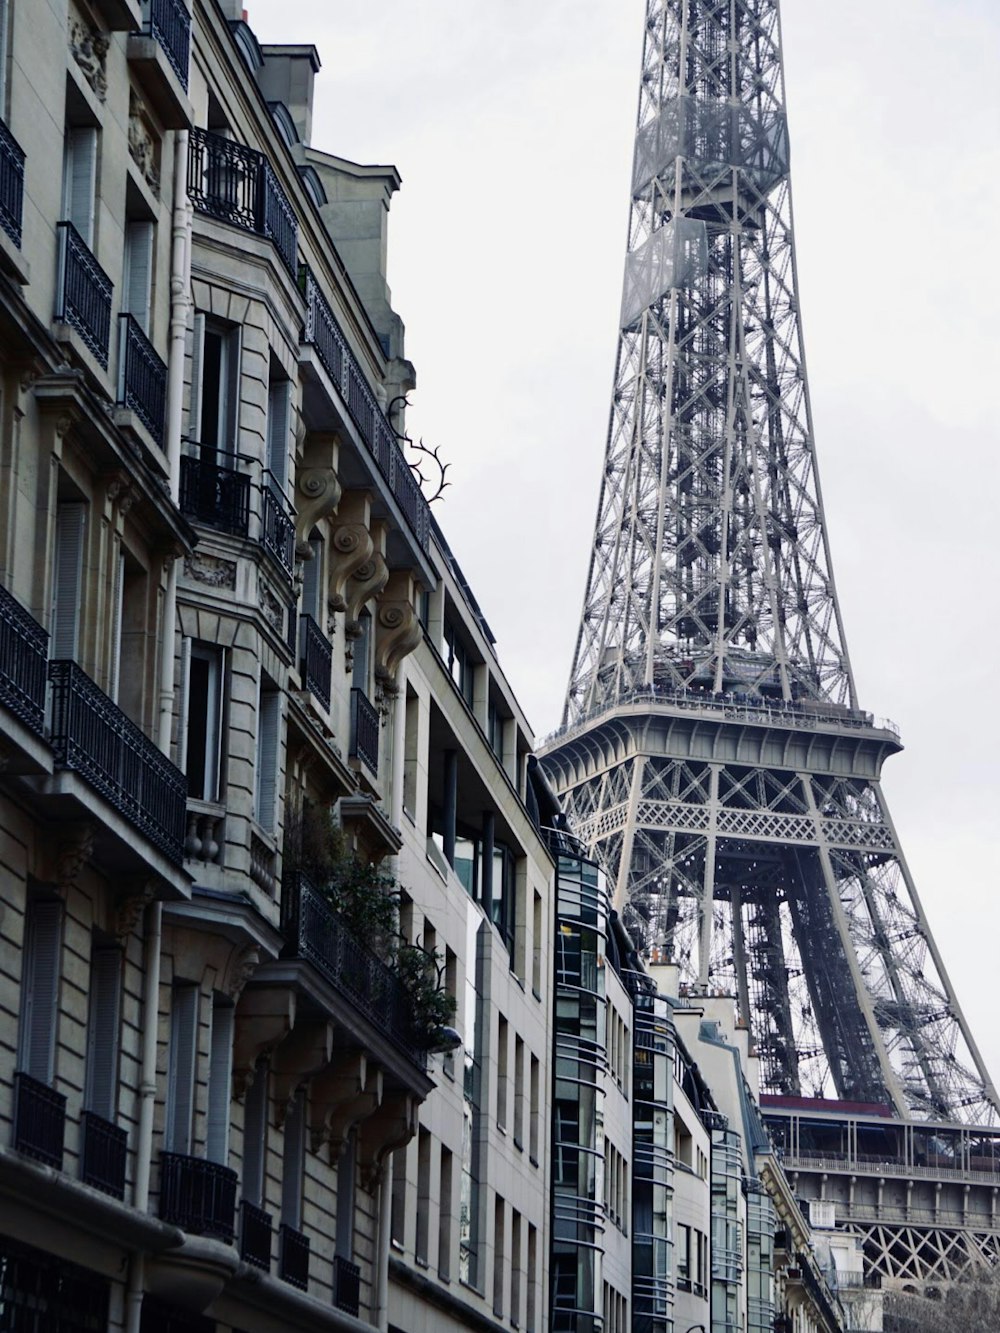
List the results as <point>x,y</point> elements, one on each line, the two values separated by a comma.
<point>83,292</point>
<point>93,737</point>
<point>364,730</point>
<point>317,660</point>
<point>11,184</point>
<point>105,1148</point>
<point>324,334</point>
<point>218,497</point>
<point>39,1120</point>
<point>142,377</point>
<point>277,526</point>
<point>293,1260</point>
<point>24,649</point>
<point>169,21</point>
<point>346,1285</point>
<point>236,184</point>
<point>315,932</point>
<point>197,1195</point>
<point>255,1236</point>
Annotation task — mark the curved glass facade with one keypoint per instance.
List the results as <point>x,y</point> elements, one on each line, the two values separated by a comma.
<point>578,1094</point>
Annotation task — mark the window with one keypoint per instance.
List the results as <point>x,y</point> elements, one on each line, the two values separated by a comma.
<point>536,944</point>
<point>203,721</point>
<point>80,180</point>
<point>215,386</point>
<point>137,274</point>
<point>535,1110</point>
<point>499,1264</point>
<point>279,401</point>
<point>361,660</point>
<point>423,1195</point>
<point>531,1315</point>
<point>255,1126</point>
<point>103,1029</point>
<point>518,1092</point>
<point>312,582</point>
<point>494,729</point>
<point>4,52</point>
<point>346,1171</point>
<point>397,1216</point>
<point>502,1058</point>
<point>444,1216</point>
<point>411,754</point>
<point>266,778</point>
<point>503,906</point>
<point>67,579</point>
<point>40,989</point>
<point>220,1078</point>
<point>458,662</point>
<point>293,1162</point>
<point>515,1268</point>
<point>181,1075</point>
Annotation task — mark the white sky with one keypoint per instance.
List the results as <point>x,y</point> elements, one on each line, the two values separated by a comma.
<point>511,123</point>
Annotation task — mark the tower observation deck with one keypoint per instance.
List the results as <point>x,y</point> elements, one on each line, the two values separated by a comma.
<point>713,753</point>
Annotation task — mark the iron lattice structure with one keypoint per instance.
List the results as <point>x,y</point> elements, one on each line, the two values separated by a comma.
<point>713,752</point>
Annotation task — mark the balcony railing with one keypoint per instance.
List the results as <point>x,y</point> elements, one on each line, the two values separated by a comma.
<point>277,532</point>
<point>169,21</point>
<point>11,184</point>
<point>142,377</point>
<point>39,1120</point>
<point>364,730</point>
<point>293,1260</point>
<point>324,333</point>
<point>24,648</point>
<point>83,292</point>
<point>105,1147</point>
<point>217,496</point>
<point>255,1236</point>
<point>317,660</point>
<point>318,934</point>
<point>197,1195</point>
<point>346,1285</point>
<point>236,185</point>
<point>93,737</point>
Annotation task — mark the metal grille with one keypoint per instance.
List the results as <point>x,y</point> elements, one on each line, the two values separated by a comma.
<point>364,730</point>
<point>93,737</point>
<point>293,1264</point>
<point>23,652</point>
<point>198,1195</point>
<point>83,292</point>
<point>317,660</point>
<point>11,184</point>
<point>105,1148</point>
<point>217,496</point>
<point>237,185</point>
<point>255,1235</point>
<point>170,23</point>
<point>41,1292</point>
<point>346,1285</point>
<point>142,377</point>
<point>277,527</point>
<point>39,1120</point>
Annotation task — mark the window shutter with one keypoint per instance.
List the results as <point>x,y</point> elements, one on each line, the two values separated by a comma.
<point>268,727</point>
<point>80,180</point>
<point>4,40</point>
<point>293,1162</point>
<point>220,1072</point>
<point>183,1057</point>
<point>103,1029</point>
<point>67,579</point>
<point>255,1126</point>
<point>185,688</point>
<point>114,677</point>
<point>346,1164</point>
<point>230,434</point>
<point>278,410</point>
<point>311,581</point>
<point>40,989</point>
<point>197,356</point>
<point>138,276</point>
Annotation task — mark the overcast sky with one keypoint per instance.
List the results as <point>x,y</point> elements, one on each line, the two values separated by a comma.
<point>511,123</point>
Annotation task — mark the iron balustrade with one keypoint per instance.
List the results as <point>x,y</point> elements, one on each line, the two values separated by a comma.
<point>293,1257</point>
<point>93,737</point>
<point>197,1195</point>
<point>323,332</point>
<point>39,1120</point>
<point>217,496</point>
<point>346,1285</point>
<point>105,1148</point>
<point>237,185</point>
<point>11,184</point>
<point>255,1235</point>
<point>364,730</point>
<point>317,660</point>
<point>83,292</point>
<point>314,931</point>
<point>42,1292</point>
<point>24,647</point>
<point>142,377</point>
<point>277,525</point>
<point>169,22</point>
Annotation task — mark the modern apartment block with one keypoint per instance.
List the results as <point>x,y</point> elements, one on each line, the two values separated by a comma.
<point>246,700</point>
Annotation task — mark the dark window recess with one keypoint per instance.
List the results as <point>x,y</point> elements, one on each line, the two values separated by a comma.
<point>255,1235</point>
<point>293,1263</point>
<point>105,1147</point>
<point>346,1285</point>
<point>161,1317</point>
<point>39,1292</point>
<point>39,1120</point>
<point>198,1195</point>
<point>217,496</point>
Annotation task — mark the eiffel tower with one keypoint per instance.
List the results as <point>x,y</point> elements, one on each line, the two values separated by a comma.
<point>713,753</point>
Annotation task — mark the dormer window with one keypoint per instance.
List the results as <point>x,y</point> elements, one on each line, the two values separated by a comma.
<point>282,118</point>
<point>314,186</point>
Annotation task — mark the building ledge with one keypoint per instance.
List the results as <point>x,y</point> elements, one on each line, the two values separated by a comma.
<point>159,82</point>
<point>12,261</point>
<point>363,819</point>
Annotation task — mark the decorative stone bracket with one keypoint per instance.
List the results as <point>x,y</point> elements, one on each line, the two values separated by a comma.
<point>391,1127</point>
<point>351,546</point>
<point>397,628</point>
<point>318,490</point>
<point>264,1018</point>
<point>298,1059</point>
<point>346,1093</point>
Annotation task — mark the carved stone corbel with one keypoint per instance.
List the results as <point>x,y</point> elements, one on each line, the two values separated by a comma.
<point>342,1096</point>
<point>351,547</point>
<point>302,1055</point>
<point>264,1018</point>
<point>129,910</point>
<point>397,629</point>
<point>66,854</point>
<point>391,1127</point>
<point>240,968</point>
<point>317,494</point>
<point>366,583</point>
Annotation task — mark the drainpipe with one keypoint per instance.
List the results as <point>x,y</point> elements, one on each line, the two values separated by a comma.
<point>180,305</point>
<point>381,1312</point>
